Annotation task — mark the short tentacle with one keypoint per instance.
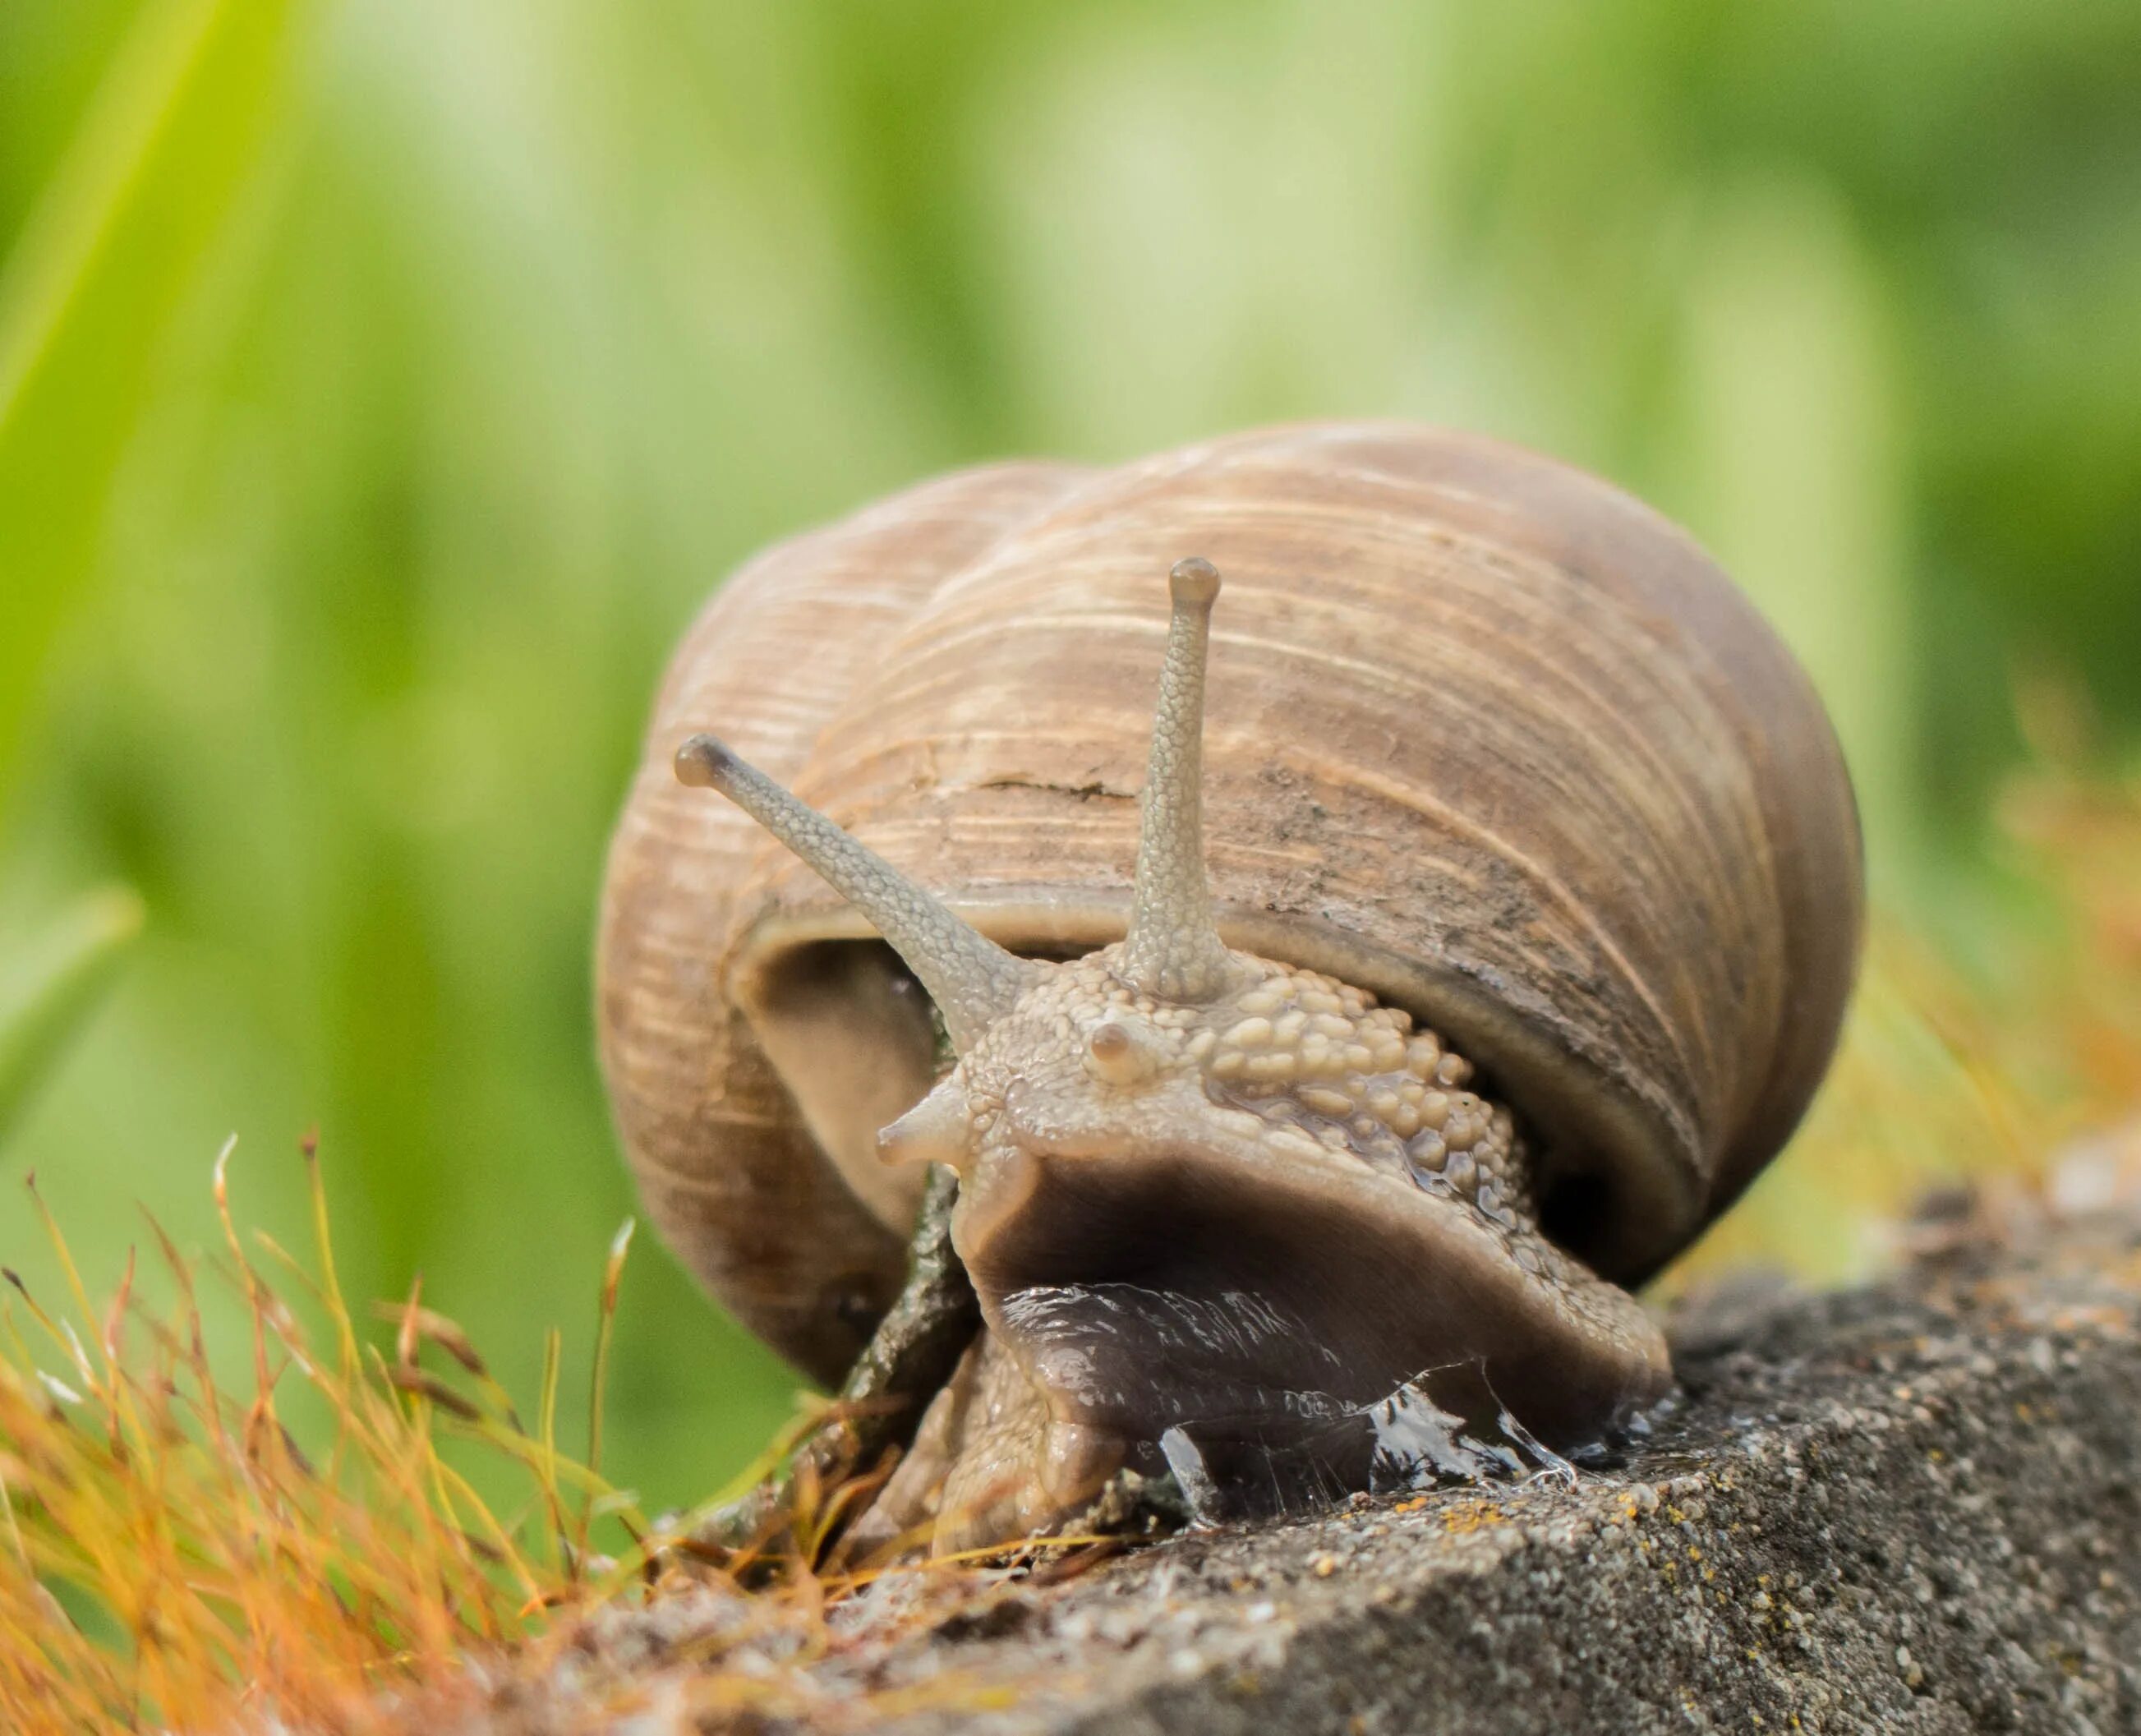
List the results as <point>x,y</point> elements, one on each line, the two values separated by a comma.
<point>1173,948</point>
<point>973,979</point>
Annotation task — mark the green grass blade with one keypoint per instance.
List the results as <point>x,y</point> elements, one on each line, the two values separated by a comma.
<point>95,282</point>
<point>47,997</point>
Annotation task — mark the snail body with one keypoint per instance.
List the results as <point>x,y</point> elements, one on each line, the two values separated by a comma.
<point>1503,775</point>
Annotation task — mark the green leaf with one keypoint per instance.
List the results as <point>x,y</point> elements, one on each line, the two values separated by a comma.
<point>47,996</point>
<point>96,282</point>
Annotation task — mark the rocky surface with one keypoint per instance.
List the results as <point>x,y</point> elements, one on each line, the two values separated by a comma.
<point>1915,1505</point>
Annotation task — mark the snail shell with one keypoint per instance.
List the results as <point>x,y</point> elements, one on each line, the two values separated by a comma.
<point>1488,740</point>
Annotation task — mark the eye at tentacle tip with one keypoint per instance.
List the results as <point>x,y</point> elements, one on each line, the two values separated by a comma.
<point>705,762</point>
<point>1194,582</point>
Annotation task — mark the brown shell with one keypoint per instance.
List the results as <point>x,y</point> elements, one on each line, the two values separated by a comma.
<point>1484,735</point>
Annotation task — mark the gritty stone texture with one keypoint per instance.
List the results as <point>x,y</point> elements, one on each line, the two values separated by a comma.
<point>1915,1505</point>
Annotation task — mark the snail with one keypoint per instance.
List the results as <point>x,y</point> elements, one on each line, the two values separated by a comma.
<point>1337,1077</point>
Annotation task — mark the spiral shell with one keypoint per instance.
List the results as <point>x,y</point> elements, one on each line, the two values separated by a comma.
<point>1486,737</point>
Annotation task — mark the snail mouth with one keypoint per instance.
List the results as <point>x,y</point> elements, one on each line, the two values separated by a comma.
<point>1271,1305</point>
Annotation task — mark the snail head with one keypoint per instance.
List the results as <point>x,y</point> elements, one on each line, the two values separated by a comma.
<point>1206,1196</point>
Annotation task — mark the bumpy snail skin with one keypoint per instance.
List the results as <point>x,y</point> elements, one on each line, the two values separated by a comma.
<point>1207,1195</point>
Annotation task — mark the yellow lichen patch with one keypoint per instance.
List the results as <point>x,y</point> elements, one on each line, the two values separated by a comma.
<point>1467,1516</point>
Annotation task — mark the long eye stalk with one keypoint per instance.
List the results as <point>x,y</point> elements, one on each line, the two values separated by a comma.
<point>1173,948</point>
<point>973,979</point>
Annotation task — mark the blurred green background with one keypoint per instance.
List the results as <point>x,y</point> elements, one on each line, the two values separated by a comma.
<point>383,384</point>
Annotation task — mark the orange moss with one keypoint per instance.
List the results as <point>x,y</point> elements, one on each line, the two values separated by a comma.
<point>170,1556</point>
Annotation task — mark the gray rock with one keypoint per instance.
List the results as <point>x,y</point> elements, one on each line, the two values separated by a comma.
<point>1915,1505</point>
